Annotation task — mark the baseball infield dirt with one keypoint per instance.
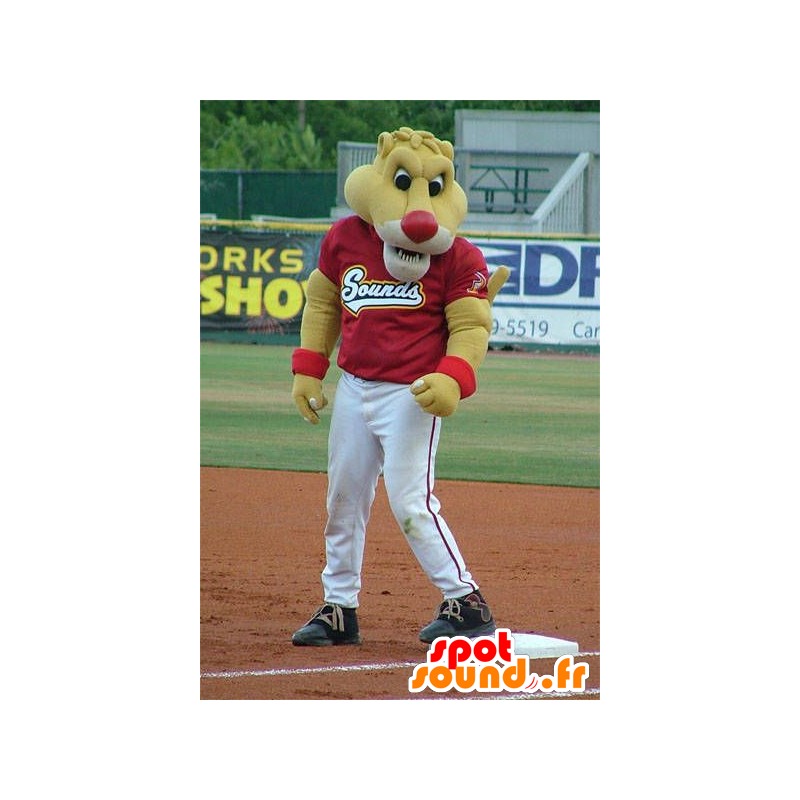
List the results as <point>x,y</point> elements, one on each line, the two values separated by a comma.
<point>535,550</point>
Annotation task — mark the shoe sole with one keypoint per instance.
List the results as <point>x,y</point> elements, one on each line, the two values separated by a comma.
<point>323,642</point>
<point>484,630</point>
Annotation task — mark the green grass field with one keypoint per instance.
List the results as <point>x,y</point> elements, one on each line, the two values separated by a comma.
<point>532,420</point>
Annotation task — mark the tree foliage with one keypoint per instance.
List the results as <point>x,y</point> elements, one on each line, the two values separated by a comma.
<point>266,134</point>
<point>238,143</point>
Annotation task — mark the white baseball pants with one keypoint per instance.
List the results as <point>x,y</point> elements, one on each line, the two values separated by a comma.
<point>378,426</point>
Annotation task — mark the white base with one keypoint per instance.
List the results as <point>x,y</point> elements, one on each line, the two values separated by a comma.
<point>534,645</point>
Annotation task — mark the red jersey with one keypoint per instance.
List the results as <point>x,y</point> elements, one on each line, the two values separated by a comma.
<point>393,330</point>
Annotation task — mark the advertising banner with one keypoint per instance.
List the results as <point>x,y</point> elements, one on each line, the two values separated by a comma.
<point>552,295</point>
<point>254,282</point>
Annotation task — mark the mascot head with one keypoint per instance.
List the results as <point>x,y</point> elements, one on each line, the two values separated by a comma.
<point>409,194</point>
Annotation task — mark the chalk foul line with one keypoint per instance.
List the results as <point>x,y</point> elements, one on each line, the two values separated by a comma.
<point>258,673</point>
<point>307,670</point>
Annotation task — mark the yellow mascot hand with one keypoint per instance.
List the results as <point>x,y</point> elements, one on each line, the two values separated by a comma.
<point>437,393</point>
<point>469,323</point>
<point>308,397</point>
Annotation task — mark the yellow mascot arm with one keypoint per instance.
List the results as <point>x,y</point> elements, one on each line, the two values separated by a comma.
<point>469,323</point>
<point>319,332</point>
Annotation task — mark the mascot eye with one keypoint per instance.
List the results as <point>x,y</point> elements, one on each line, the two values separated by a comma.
<point>402,180</point>
<point>436,185</point>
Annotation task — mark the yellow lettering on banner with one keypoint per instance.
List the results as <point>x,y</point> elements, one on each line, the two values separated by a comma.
<point>234,256</point>
<point>291,261</point>
<point>283,298</point>
<point>261,259</point>
<point>236,294</point>
<point>213,257</point>
<point>210,291</point>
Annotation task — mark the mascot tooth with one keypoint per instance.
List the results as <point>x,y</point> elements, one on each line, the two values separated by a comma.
<point>411,301</point>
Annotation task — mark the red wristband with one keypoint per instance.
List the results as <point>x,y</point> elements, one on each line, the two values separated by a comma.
<point>309,362</point>
<point>461,372</point>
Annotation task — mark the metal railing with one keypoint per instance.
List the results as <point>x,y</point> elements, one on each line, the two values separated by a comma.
<point>566,207</point>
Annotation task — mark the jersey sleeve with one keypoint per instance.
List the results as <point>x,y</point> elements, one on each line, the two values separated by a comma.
<point>469,275</point>
<point>327,263</point>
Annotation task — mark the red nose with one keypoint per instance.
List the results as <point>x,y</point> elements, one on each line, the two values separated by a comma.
<point>419,225</point>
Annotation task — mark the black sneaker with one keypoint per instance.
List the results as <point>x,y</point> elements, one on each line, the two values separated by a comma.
<point>331,624</point>
<point>468,616</point>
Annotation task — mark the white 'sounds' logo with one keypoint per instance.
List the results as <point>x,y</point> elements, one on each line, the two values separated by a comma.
<point>359,293</point>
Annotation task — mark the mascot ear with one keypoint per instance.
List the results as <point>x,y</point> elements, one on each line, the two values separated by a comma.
<point>385,144</point>
<point>447,149</point>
